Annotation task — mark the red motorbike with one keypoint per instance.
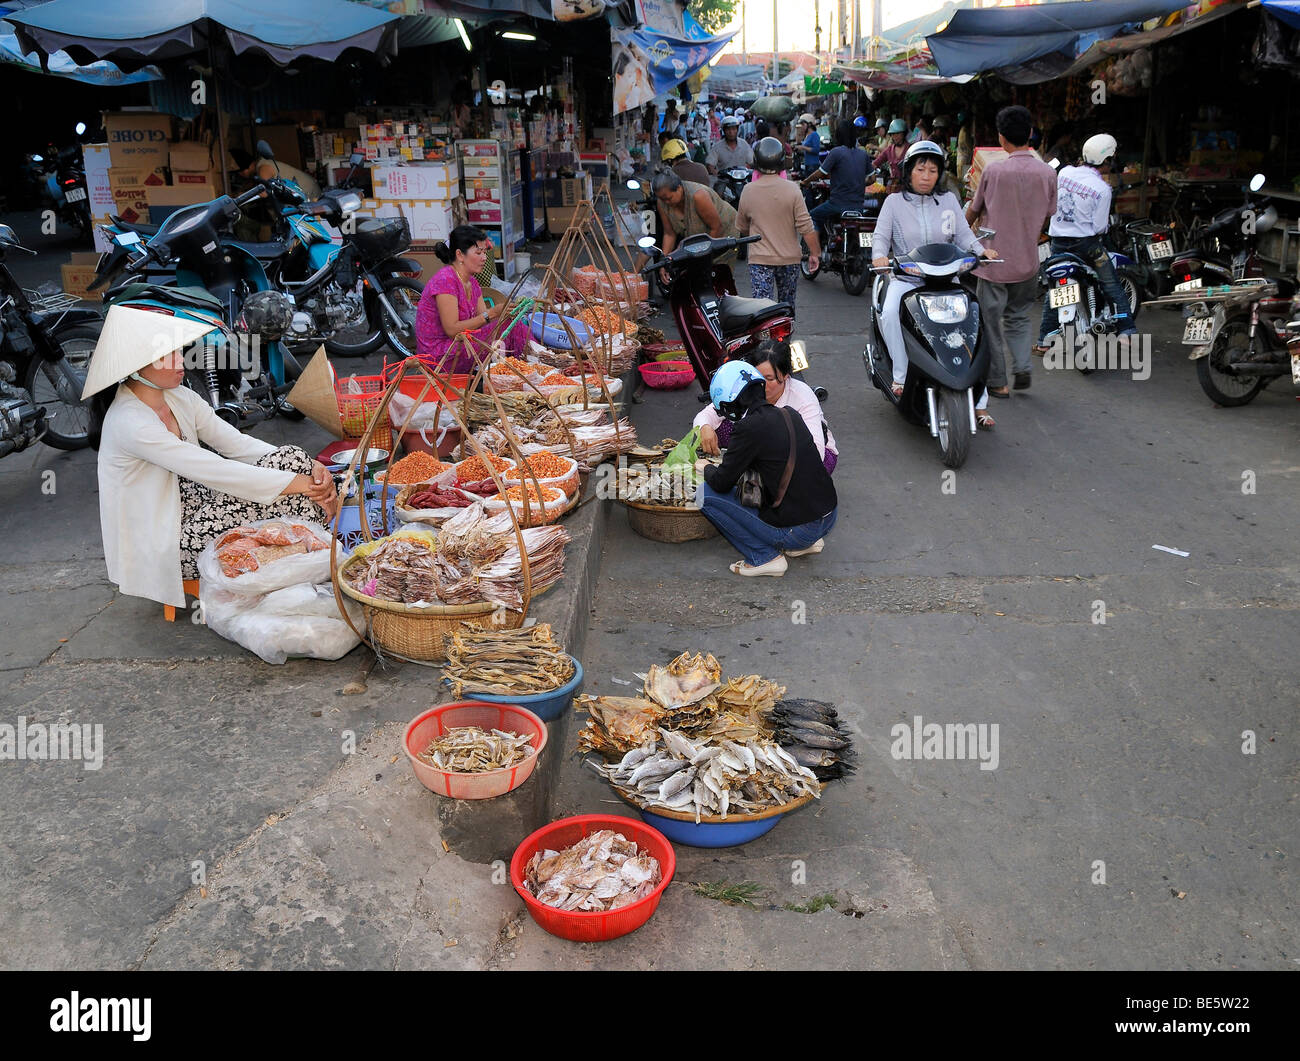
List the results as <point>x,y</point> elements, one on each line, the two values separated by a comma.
<point>715,324</point>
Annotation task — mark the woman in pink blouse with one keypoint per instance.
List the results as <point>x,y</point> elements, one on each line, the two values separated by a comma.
<point>453,303</point>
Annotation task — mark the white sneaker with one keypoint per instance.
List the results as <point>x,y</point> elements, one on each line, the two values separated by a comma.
<point>776,567</point>
<point>816,547</point>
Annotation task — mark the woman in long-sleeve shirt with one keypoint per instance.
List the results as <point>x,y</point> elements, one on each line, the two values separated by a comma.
<point>162,496</point>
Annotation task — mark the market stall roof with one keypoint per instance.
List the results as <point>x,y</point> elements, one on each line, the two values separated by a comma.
<point>131,34</point>
<point>736,78</point>
<point>996,39</point>
<point>1286,10</point>
<point>61,64</point>
<point>487,10</point>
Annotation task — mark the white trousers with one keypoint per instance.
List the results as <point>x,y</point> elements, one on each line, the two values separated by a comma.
<point>891,323</point>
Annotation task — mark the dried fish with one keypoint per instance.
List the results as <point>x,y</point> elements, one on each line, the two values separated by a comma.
<point>602,871</point>
<point>686,680</point>
<point>471,750</point>
<point>617,724</point>
<point>707,778</point>
<point>513,662</point>
<point>478,558</point>
<point>813,733</point>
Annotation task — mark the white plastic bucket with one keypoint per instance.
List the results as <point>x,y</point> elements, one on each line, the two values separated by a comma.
<point>523,262</point>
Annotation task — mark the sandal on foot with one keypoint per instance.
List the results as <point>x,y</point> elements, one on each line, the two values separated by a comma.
<point>776,566</point>
<point>816,547</point>
<point>897,389</point>
<point>985,421</point>
<point>1000,392</point>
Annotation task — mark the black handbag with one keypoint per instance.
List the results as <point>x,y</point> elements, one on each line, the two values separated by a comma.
<point>750,488</point>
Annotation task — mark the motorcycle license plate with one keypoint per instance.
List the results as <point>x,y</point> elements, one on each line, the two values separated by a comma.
<point>798,356</point>
<point>1044,251</point>
<point>1196,332</point>
<point>1190,285</point>
<point>76,195</point>
<point>864,239</point>
<point>1065,295</point>
<point>1163,249</point>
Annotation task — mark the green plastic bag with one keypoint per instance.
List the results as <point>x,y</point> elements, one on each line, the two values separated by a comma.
<point>684,455</point>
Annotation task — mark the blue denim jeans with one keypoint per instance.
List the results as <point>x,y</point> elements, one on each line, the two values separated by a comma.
<point>756,540</point>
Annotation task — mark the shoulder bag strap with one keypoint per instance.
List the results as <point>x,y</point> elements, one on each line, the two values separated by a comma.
<point>789,464</point>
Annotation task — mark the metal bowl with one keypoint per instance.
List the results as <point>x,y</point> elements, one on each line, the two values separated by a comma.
<point>374,457</point>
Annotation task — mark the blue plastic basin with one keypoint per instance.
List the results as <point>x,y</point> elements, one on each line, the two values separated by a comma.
<point>710,834</point>
<point>546,706</point>
<point>548,330</point>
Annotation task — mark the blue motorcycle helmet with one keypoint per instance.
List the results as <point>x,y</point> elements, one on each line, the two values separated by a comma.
<point>731,381</point>
<point>860,122</point>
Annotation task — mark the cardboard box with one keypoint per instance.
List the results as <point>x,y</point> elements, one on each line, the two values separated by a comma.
<point>79,274</point>
<point>558,218</point>
<point>99,192</point>
<point>429,263</point>
<point>174,195</point>
<point>119,178</point>
<point>482,211</point>
<point>96,158</point>
<point>568,191</point>
<point>426,180</point>
<point>131,204</point>
<point>482,190</point>
<point>283,140</point>
<point>430,220</point>
<point>476,167</point>
<point>195,163</point>
<point>138,139</point>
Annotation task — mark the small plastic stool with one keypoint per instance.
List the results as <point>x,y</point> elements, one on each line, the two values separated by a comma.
<point>191,586</point>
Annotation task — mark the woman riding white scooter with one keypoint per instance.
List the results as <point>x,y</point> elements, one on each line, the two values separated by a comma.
<point>923,212</point>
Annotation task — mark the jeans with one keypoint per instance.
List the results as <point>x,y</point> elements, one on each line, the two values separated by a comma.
<point>1091,250</point>
<point>1005,311</point>
<point>822,214</point>
<point>754,538</point>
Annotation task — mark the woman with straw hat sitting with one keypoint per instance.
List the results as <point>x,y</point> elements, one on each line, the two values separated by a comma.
<point>162,496</point>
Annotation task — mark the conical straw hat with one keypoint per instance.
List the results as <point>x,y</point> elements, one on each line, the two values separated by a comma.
<point>313,394</point>
<point>134,338</point>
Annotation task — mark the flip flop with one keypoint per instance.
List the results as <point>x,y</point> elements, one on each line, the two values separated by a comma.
<point>1003,393</point>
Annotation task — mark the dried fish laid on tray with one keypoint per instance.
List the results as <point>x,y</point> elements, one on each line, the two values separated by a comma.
<point>401,569</point>
<point>471,750</point>
<point>738,711</point>
<point>815,735</point>
<point>510,662</point>
<point>617,723</point>
<point>602,871</point>
<point>478,558</point>
<point>686,680</point>
<point>708,777</point>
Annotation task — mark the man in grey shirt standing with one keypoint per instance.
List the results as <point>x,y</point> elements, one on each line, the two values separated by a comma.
<point>1016,197</point>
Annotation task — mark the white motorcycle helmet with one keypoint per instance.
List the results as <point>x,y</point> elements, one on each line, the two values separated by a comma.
<point>1097,149</point>
<point>1266,219</point>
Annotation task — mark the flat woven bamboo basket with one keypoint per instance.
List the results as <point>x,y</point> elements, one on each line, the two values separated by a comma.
<point>418,633</point>
<point>668,523</point>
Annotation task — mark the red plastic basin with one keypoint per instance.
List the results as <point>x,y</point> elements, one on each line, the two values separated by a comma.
<point>586,926</point>
<point>428,726</point>
<point>667,375</point>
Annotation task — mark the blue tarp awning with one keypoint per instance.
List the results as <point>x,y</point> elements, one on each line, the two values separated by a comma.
<point>1286,10</point>
<point>994,38</point>
<point>61,65</point>
<point>148,30</point>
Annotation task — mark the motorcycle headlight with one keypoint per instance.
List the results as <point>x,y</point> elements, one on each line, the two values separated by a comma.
<point>945,309</point>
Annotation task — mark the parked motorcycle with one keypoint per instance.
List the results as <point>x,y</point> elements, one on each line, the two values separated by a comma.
<point>847,247</point>
<point>62,177</point>
<point>1243,337</point>
<point>947,359</point>
<point>245,371</point>
<point>714,323</point>
<point>1227,249</point>
<point>1150,247</point>
<point>45,347</point>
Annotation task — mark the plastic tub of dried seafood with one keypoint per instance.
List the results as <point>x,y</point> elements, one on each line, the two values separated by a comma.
<point>546,706</point>
<point>593,926</point>
<point>734,829</point>
<point>427,727</point>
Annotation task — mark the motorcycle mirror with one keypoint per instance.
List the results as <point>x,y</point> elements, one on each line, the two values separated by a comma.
<point>632,185</point>
<point>1055,163</point>
<point>1257,182</point>
<point>646,242</point>
<point>264,149</point>
<point>81,128</point>
<point>985,233</point>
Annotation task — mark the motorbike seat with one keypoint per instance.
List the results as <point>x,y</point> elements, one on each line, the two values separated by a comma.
<point>262,251</point>
<point>740,314</point>
<point>134,226</point>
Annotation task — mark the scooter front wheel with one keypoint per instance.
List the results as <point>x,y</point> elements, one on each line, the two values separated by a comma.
<point>953,426</point>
